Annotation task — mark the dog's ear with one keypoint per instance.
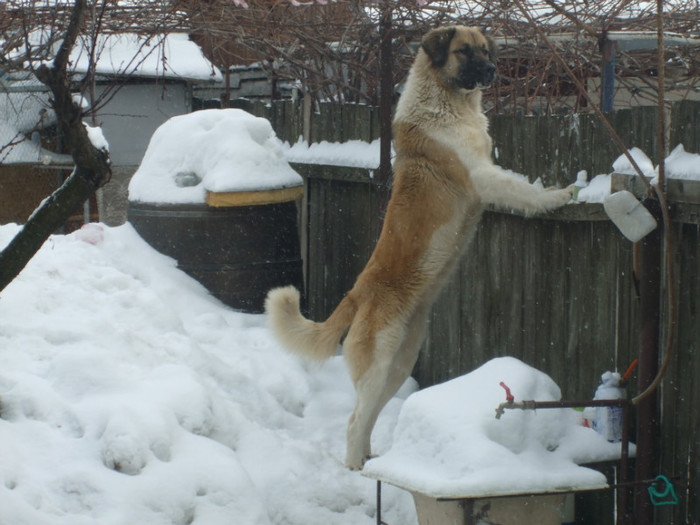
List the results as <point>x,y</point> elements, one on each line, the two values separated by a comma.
<point>436,44</point>
<point>493,49</point>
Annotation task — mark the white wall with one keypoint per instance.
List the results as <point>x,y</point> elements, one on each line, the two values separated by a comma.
<point>135,112</point>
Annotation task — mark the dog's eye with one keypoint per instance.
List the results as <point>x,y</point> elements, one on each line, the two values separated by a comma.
<point>464,51</point>
<point>485,50</point>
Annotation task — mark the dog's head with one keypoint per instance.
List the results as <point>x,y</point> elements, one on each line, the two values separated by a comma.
<point>462,57</point>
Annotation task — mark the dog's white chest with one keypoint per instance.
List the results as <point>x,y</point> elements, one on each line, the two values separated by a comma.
<point>471,143</point>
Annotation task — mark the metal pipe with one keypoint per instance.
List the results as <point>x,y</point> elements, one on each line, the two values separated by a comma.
<point>623,517</point>
<point>647,408</point>
<point>534,405</point>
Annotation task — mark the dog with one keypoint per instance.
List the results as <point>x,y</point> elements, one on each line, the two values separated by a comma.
<point>443,178</point>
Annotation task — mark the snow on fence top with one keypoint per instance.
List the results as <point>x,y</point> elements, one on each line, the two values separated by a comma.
<point>680,164</point>
<point>215,150</point>
<point>353,153</point>
<point>449,444</point>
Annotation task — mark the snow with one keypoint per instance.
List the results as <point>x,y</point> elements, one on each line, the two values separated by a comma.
<point>96,137</point>
<point>353,153</point>
<point>597,189</point>
<point>21,113</point>
<point>130,395</point>
<point>217,150</point>
<point>624,166</point>
<point>172,56</point>
<point>127,54</point>
<point>449,444</point>
<point>23,150</point>
<point>678,165</point>
<point>682,165</point>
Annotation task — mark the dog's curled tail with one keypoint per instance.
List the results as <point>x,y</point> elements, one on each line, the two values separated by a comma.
<point>300,335</point>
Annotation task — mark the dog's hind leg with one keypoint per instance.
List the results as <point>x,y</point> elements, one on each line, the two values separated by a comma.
<point>370,385</point>
<point>405,359</point>
<point>395,353</point>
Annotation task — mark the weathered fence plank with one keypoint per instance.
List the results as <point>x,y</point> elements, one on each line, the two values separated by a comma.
<point>541,290</point>
<point>555,148</point>
<point>341,232</point>
<point>685,116</point>
<point>680,430</point>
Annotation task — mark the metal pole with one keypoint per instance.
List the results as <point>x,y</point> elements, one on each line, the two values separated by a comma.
<point>649,251</point>
<point>623,513</point>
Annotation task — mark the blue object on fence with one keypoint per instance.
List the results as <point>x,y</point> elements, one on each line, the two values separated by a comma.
<point>666,496</point>
<point>607,100</point>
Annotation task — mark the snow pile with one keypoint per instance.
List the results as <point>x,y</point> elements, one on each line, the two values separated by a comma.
<point>624,166</point>
<point>678,165</point>
<point>97,138</point>
<point>448,442</point>
<point>353,153</point>
<point>129,395</point>
<point>217,150</point>
<point>596,191</point>
<point>682,165</point>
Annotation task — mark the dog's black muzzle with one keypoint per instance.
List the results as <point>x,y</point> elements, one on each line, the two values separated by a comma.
<point>478,74</point>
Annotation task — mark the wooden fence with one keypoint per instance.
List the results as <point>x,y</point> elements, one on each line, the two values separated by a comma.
<point>557,291</point>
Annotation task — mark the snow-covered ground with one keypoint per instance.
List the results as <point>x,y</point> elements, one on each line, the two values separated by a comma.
<point>129,395</point>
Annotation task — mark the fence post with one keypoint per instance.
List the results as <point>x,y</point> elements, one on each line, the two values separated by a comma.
<point>386,90</point>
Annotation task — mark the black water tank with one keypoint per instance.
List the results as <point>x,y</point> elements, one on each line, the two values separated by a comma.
<point>237,252</point>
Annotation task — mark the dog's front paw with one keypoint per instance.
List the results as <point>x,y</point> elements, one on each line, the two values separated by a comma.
<point>554,198</point>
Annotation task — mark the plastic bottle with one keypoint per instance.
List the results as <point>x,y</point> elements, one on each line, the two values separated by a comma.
<point>608,420</point>
<point>581,182</point>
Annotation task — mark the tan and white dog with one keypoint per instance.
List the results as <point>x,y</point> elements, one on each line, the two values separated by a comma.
<point>443,176</point>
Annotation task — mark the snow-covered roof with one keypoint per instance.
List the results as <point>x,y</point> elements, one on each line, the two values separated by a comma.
<point>171,56</point>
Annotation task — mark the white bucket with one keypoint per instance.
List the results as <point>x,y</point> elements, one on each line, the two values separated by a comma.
<point>629,215</point>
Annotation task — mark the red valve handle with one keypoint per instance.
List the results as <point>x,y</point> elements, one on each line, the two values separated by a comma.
<point>509,396</point>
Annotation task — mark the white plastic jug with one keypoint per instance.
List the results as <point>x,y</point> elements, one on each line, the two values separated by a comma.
<point>629,215</point>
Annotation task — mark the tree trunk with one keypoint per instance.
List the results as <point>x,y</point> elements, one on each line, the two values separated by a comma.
<point>50,216</point>
<point>91,164</point>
